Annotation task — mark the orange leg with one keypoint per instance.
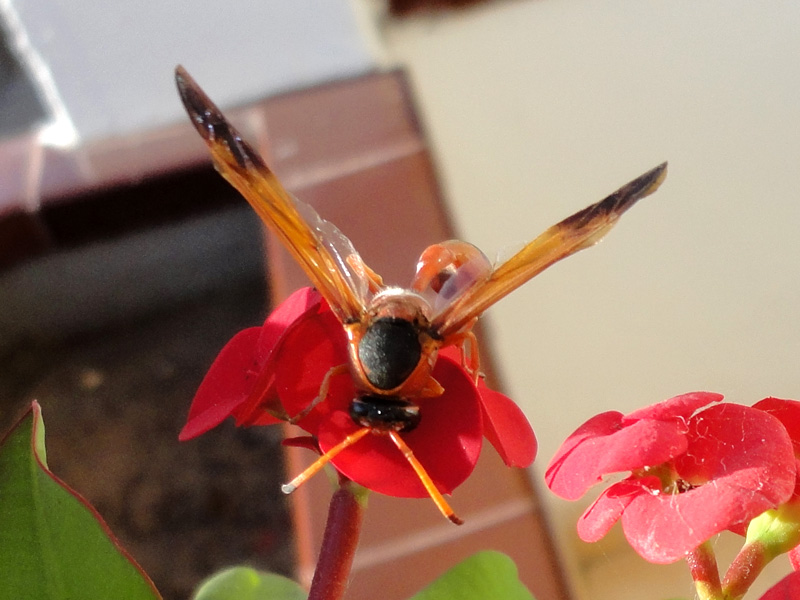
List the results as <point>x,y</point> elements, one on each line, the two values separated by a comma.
<point>470,356</point>
<point>323,392</point>
<point>351,439</point>
<point>426,480</point>
<point>473,365</point>
<point>375,281</point>
<point>323,460</point>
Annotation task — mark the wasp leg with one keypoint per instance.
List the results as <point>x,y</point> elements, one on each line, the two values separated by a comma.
<point>323,393</point>
<point>426,480</point>
<point>323,460</point>
<point>467,343</point>
<point>374,280</point>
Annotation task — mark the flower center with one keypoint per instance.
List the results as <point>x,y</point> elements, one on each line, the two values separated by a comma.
<point>670,482</point>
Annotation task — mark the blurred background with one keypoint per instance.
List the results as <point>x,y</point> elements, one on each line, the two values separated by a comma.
<point>114,231</point>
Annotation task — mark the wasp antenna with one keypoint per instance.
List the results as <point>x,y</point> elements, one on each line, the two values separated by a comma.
<point>314,468</point>
<point>426,480</point>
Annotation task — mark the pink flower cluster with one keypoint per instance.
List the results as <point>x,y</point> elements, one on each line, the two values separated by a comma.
<point>695,466</point>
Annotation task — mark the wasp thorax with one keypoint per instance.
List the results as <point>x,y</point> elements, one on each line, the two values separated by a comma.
<point>390,347</point>
<point>389,352</point>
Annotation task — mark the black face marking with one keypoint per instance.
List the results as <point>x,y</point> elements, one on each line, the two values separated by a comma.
<point>389,351</point>
<point>385,413</point>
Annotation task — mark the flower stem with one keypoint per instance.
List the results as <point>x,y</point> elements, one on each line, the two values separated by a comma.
<point>339,543</point>
<point>747,565</point>
<point>705,573</point>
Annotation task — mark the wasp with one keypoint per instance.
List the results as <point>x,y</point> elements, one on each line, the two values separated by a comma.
<point>394,334</point>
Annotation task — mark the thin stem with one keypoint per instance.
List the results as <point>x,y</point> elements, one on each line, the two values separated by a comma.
<point>339,543</point>
<point>705,573</point>
<point>747,565</point>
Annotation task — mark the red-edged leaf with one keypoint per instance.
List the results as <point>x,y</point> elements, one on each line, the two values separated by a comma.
<point>53,544</point>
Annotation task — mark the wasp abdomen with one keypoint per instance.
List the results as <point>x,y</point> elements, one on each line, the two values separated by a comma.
<point>389,351</point>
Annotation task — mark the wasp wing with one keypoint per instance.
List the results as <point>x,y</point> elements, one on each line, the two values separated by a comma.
<point>582,230</point>
<point>323,252</point>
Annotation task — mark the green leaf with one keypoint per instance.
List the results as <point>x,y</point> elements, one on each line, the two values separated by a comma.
<point>244,583</point>
<point>53,544</point>
<point>483,575</point>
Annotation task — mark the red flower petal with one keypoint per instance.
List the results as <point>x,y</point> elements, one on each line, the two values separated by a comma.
<point>787,588</point>
<point>788,413</point>
<point>662,528</point>
<point>610,505</point>
<point>728,439</point>
<point>794,558</point>
<point>308,352</point>
<point>447,440</point>
<point>612,443</point>
<point>309,442</point>
<point>225,386</point>
<point>507,428</point>
<point>264,404</point>
<point>600,447</point>
<point>743,475</point>
<point>679,407</point>
<point>505,425</point>
<point>568,475</point>
<point>239,378</point>
<point>300,304</point>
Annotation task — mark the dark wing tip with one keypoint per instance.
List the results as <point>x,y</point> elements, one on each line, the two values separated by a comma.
<point>630,193</point>
<point>611,207</point>
<point>646,184</point>
<point>202,111</point>
<point>209,121</point>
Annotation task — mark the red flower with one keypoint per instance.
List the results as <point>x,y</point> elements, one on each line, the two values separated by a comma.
<point>788,413</point>
<point>787,588</point>
<point>693,472</point>
<point>272,373</point>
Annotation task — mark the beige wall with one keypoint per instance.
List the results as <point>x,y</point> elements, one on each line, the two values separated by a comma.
<point>538,108</point>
